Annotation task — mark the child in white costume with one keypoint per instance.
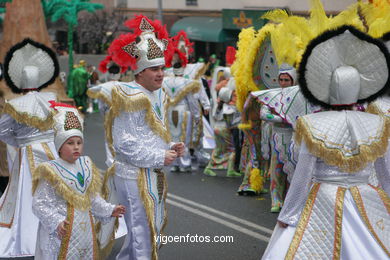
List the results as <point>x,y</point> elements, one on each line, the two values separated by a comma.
<point>66,195</point>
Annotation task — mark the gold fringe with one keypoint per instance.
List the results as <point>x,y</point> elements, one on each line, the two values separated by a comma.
<point>96,255</point>
<point>106,251</point>
<point>109,173</point>
<point>99,95</point>
<point>165,208</point>
<point>360,205</point>
<point>193,88</point>
<point>184,127</point>
<point>49,154</point>
<point>135,103</point>
<point>148,205</point>
<point>303,221</point>
<point>27,119</point>
<point>372,108</point>
<point>81,202</point>
<point>65,241</point>
<point>338,222</point>
<point>30,156</point>
<point>202,71</point>
<point>334,157</point>
<point>200,129</point>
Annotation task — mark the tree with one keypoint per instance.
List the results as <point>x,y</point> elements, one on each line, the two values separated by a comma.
<point>97,30</point>
<point>68,10</point>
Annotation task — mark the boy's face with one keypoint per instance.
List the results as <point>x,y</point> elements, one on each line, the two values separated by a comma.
<point>72,149</point>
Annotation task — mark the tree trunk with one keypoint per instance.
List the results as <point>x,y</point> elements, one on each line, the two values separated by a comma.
<point>70,51</point>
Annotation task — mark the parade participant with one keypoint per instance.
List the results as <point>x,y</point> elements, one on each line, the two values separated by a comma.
<point>183,108</point>
<point>232,117</point>
<point>222,156</point>
<point>331,211</point>
<point>102,93</point>
<point>66,194</point>
<point>27,125</point>
<point>108,231</point>
<point>78,86</point>
<point>138,129</point>
<point>281,133</point>
<point>195,71</point>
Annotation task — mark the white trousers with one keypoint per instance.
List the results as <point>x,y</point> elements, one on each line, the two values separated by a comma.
<point>137,244</point>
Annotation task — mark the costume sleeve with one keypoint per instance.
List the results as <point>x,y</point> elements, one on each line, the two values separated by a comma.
<point>299,188</point>
<point>203,98</point>
<point>193,105</point>
<point>7,134</point>
<point>135,143</point>
<point>382,168</point>
<point>101,209</point>
<point>267,115</point>
<point>44,206</point>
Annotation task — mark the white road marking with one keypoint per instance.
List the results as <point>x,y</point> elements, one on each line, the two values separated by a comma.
<point>223,214</point>
<point>218,220</point>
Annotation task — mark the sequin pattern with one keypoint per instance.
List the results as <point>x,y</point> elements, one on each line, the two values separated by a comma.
<point>135,144</point>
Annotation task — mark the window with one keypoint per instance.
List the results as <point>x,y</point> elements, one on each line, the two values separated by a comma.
<point>191,2</point>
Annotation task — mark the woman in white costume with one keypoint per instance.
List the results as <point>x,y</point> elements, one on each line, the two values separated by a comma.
<point>331,212</point>
<point>26,124</point>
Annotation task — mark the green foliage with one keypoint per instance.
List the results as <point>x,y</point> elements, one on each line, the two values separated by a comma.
<point>68,10</point>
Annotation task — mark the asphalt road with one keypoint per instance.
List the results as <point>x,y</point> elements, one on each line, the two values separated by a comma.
<point>201,208</point>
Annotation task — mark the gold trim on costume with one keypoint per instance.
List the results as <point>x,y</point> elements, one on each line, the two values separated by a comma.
<point>304,220</point>
<point>48,152</point>
<point>200,129</point>
<point>193,88</point>
<point>81,202</point>
<point>30,156</point>
<point>184,127</point>
<point>66,239</point>
<point>99,95</point>
<point>338,222</point>
<point>94,242</point>
<point>42,124</point>
<point>149,208</point>
<point>133,103</point>
<point>360,206</point>
<point>372,108</point>
<point>335,157</point>
<point>202,71</point>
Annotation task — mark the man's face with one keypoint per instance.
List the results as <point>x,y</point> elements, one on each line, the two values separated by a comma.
<point>151,78</point>
<point>285,80</point>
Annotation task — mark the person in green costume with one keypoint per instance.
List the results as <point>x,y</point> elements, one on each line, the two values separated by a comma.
<point>77,88</point>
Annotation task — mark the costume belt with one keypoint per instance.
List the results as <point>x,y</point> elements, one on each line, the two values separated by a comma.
<point>343,181</point>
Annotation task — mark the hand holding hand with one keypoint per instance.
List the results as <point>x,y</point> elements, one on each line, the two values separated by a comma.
<point>179,148</point>
<point>118,211</point>
<point>170,156</point>
<point>62,229</point>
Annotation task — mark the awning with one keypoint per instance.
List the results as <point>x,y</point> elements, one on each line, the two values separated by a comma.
<point>206,29</point>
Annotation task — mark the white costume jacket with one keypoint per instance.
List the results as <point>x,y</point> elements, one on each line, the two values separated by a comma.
<point>65,191</point>
<point>26,125</point>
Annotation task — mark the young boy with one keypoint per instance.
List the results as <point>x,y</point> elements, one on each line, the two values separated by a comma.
<point>66,195</point>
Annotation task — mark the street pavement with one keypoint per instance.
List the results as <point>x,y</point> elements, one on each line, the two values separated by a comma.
<point>201,207</point>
